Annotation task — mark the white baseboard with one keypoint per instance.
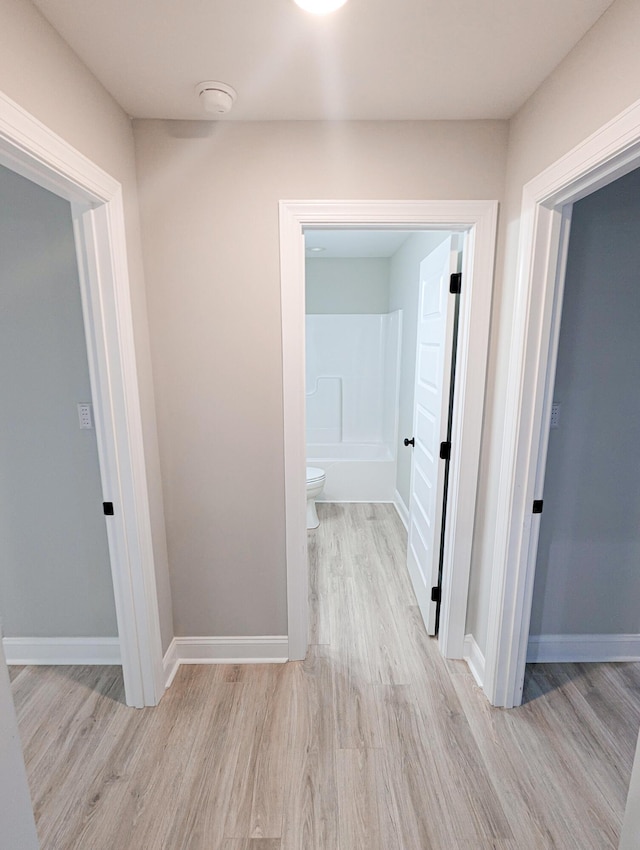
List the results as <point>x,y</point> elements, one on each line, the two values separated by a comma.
<point>355,501</point>
<point>475,659</point>
<point>170,663</point>
<point>72,650</point>
<point>577,648</point>
<point>403,510</point>
<point>224,650</point>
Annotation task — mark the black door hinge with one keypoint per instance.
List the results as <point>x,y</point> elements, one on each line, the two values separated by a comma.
<point>455,283</point>
<point>107,507</point>
<point>435,594</point>
<point>537,506</point>
<point>445,451</point>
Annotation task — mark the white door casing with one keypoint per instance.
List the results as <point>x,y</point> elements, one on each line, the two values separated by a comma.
<point>477,219</point>
<point>611,152</point>
<point>32,150</point>
<point>430,420</point>
<point>17,824</point>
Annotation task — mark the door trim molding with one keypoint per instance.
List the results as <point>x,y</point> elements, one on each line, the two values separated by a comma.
<point>609,153</point>
<point>31,149</point>
<point>474,658</point>
<point>478,220</point>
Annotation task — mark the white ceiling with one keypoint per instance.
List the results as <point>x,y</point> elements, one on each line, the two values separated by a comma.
<point>354,243</point>
<point>399,59</point>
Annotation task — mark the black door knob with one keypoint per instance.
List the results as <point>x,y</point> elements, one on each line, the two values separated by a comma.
<point>409,442</point>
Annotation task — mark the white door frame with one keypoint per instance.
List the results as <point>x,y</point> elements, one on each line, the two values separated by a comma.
<point>611,152</point>
<point>478,220</point>
<point>32,150</point>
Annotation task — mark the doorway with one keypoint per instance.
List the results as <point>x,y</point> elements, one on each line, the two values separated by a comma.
<point>34,152</point>
<point>586,584</point>
<point>380,347</point>
<point>56,589</point>
<point>610,153</point>
<point>478,221</point>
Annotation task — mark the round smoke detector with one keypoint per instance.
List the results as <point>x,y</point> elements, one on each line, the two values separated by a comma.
<point>216,98</point>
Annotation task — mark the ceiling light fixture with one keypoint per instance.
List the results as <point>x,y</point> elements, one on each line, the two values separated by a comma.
<point>216,98</point>
<point>320,7</point>
<point>316,249</point>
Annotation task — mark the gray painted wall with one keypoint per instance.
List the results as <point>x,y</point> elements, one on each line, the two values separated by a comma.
<point>403,295</point>
<point>587,576</point>
<point>55,574</point>
<point>347,285</point>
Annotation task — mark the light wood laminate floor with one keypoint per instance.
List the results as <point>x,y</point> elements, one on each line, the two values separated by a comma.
<point>373,743</point>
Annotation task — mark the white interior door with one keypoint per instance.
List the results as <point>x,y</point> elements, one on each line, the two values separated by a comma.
<point>436,312</point>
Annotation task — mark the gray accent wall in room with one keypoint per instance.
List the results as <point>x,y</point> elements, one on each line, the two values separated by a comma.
<point>55,574</point>
<point>587,574</point>
<point>347,285</point>
<point>403,295</point>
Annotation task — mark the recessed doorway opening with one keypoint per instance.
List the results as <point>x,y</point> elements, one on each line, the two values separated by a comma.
<point>32,151</point>
<point>381,333</point>
<point>548,201</point>
<point>477,221</point>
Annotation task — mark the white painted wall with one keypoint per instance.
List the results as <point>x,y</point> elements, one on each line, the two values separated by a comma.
<point>209,198</point>
<point>598,79</point>
<point>403,295</point>
<point>351,377</point>
<point>587,578</point>
<point>630,837</point>
<point>17,826</point>
<point>347,285</point>
<point>40,72</point>
<point>55,572</point>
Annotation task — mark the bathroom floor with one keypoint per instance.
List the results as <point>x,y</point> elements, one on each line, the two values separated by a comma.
<point>373,743</point>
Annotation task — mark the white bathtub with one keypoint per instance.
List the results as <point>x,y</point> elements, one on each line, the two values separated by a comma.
<point>356,472</point>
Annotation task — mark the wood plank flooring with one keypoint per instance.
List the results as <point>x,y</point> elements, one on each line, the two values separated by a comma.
<point>373,743</point>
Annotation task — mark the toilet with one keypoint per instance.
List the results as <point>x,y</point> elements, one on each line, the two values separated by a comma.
<point>315,485</point>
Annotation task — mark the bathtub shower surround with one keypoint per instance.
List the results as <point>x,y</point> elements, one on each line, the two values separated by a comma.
<point>353,366</point>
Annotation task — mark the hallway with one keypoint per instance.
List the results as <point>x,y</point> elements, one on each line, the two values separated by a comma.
<point>373,742</point>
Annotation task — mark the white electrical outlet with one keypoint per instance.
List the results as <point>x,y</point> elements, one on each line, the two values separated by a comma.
<point>85,415</point>
<point>555,414</point>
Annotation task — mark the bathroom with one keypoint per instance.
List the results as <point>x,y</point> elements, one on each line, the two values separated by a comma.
<point>362,298</point>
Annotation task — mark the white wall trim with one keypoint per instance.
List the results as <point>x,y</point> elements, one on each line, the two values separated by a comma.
<point>477,219</point>
<point>35,152</point>
<point>170,663</point>
<point>355,501</point>
<point>583,648</point>
<point>474,658</point>
<point>611,152</point>
<point>271,649</point>
<point>62,650</point>
<point>402,509</point>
